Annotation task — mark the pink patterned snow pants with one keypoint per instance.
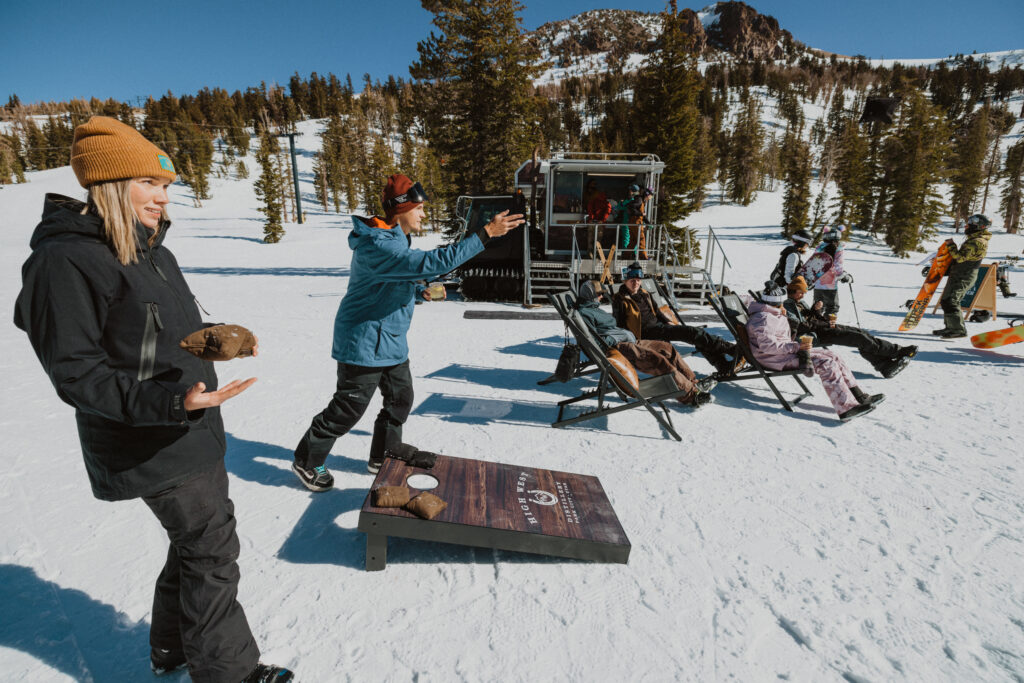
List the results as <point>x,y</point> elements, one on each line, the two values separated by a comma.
<point>836,377</point>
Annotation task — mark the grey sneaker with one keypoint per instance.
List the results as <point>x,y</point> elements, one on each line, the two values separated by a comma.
<point>315,479</point>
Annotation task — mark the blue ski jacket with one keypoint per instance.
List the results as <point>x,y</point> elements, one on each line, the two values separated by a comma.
<point>374,316</point>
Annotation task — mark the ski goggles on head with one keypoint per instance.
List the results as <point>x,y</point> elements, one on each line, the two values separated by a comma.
<point>415,195</point>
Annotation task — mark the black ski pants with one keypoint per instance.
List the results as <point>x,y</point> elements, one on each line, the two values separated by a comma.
<point>712,347</point>
<point>194,606</point>
<point>878,352</point>
<point>355,388</point>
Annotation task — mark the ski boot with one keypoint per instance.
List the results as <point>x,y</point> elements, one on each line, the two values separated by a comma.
<point>863,398</point>
<point>856,411</point>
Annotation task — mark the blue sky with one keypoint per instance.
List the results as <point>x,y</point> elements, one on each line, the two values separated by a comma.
<point>59,49</point>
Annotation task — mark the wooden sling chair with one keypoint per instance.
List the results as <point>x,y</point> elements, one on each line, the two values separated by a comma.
<point>617,376</point>
<point>733,313</point>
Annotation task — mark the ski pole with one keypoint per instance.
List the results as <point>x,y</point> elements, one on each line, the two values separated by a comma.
<point>854,300</point>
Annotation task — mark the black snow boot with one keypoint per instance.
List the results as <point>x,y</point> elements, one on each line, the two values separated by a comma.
<point>856,411</point>
<point>862,397</point>
<point>894,367</point>
<point>939,333</point>
<point>906,352</point>
<point>166,661</point>
<point>268,673</point>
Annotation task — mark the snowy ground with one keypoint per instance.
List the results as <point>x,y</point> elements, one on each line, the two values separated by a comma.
<point>765,546</point>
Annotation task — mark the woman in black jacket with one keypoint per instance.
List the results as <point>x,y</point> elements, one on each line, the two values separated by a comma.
<point>105,307</point>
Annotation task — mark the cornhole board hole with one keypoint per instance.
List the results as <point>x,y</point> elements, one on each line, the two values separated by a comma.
<point>494,505</point>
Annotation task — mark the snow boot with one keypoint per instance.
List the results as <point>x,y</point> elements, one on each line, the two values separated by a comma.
<point>895,367</point>
<point>702,398</point>
<point>268,673</point>
<point>856,411</point>
<point>953,334</point>
<point>862,397</point>
<point>315,479</point>
<point>706,384</point>
<point>939,333</point>
<point>906,352</point>
<point>166,661</point>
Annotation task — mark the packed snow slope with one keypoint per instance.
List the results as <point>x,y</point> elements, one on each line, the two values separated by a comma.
<point>766,546</point>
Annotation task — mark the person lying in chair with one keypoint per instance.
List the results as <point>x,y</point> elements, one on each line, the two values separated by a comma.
<point>886,358</point>
<point>648,356</point>
<point>774,348</point>
<point>634,310</point>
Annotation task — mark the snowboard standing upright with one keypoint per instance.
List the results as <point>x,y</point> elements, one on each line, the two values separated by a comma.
<point>940,264</point>
<point>815,267</point>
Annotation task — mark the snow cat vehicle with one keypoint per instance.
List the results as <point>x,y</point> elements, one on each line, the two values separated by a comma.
<point>579,226</point>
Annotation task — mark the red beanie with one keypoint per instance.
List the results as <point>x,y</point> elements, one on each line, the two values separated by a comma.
<point>398,185</point>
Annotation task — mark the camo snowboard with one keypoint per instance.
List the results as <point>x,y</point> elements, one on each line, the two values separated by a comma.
<point>815,267</point>
<point>997,338</point>
<point>940,264</point>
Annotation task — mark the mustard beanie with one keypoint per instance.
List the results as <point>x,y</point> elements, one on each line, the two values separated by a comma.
<point>106,149</point>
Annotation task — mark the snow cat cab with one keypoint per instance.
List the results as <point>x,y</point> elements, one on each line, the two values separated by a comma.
<point>579,226</point>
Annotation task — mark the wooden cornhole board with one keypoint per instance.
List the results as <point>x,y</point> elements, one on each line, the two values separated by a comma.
<point>494,505</point>
<point>982,294</point>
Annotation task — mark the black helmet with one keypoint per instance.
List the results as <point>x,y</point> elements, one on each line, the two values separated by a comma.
<point>978,221</point>
<point>802,236</point>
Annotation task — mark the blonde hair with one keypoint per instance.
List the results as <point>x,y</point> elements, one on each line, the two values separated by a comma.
<point>111,201</point>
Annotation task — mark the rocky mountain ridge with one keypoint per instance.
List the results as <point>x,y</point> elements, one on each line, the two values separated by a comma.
<point>725,28</point>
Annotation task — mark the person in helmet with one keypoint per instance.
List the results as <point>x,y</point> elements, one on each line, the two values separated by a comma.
<point>373,319</point>
<point>962,273</point>
<point>825,289</point>
<point>791,258</point>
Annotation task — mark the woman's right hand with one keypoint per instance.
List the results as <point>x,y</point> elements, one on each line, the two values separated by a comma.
<point>197,398</point>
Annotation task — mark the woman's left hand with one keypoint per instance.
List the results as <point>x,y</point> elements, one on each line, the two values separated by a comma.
<point>197,398</point>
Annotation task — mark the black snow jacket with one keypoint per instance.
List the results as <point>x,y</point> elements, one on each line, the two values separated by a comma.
<point>789,263</point>
<point>107,336</point>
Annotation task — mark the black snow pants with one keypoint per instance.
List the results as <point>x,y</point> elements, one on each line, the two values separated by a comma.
<point>878,352</point>
<point>356,385</point>
<point>195,609</point>
<point>713,348</point>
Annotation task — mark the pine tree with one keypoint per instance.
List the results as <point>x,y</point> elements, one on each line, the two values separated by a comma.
<point>969,147</point>
<point>268,187</point>
<point>241,170</point>
<point>743,170</point>
<point>1013,179</point>
<point>853,176</point>
<point>667,116</point>
<point>475,91</point>
<point>796,165</point>
<point>914,154</point>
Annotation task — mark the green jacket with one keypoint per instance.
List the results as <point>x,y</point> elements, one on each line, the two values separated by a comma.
<point>973,249</point>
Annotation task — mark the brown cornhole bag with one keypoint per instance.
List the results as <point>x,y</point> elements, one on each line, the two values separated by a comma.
<point>220,342</point>
<point>626,369</point>
<point>390,496</point>
<point>426,505</point>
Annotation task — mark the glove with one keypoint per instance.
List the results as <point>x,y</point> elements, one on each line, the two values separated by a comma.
<point>220,342</point>
<point>846,277</point>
